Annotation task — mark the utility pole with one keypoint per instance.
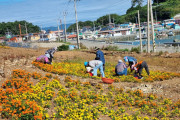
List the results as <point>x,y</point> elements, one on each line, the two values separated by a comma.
<point>94,25</point>
<point>152,28</point>
<point>58,31</point>
<point>26,31</point>
<point>148,33</point>
<point>42,32</point>
<point>61,28</point>
<point>140,32</point>
<point>61,24</point>
<point>109,19</point>
<point>113,23</point>
<point>78,42</point>
<point>65,25</point>
<point>20,29</point>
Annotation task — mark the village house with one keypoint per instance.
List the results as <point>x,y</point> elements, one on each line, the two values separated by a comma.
<point>34,37</point>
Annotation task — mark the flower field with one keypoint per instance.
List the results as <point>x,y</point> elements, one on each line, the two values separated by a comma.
<point>68,99</point>
<point>78,69</point>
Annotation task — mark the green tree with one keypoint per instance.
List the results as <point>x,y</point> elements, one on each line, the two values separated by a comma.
<point>13,27</point>
<point>134,2</point>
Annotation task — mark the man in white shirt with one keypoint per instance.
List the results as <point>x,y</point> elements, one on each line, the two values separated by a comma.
<point>95,64</point>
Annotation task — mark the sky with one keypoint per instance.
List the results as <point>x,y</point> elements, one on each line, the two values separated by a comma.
<point>46,13</point>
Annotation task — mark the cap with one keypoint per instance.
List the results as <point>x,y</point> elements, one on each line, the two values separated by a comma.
<point>96,48</point>
<point>85,63</point>
<point>125,59</point>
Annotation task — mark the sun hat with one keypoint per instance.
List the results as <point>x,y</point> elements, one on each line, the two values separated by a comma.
<point>55,48</point>
<point>120,61</point>
<point>85,63</point>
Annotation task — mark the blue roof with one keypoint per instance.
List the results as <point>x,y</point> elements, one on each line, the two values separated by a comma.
<point>123,25</point>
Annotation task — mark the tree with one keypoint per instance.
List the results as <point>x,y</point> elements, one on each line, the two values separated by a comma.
<point>134,2</point>
<point>159,1</point>
<point>13,27</point>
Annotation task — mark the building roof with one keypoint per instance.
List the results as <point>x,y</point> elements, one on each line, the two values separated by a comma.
<point>177,16</point>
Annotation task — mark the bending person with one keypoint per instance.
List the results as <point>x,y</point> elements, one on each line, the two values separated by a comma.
<point>49,53</point>
<point>95,65</point>
<point>139,67</point>
<point>42,59</point>
<point>131,60</point>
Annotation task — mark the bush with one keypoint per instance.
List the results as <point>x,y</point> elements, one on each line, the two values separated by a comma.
<point>160,53</point>
<point>82,46</point>
<point>63,47</point>
<point>3,44</point>
<point>111,48</point>
<point>124,50</point>
<point>136,49</point>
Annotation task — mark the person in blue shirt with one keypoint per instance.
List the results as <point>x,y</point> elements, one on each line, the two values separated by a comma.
<point>131,60</point>
<point>100,56</point>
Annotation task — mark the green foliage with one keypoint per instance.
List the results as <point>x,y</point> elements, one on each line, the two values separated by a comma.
<point>124,50</point>
<point>3,44</point>
<point>160,53</point>
<point>111,48</point>
<point>82,46</point>
<point>13,27</point>
<point>114,48</point>
<point>135,49</point>
<point>63,47</point>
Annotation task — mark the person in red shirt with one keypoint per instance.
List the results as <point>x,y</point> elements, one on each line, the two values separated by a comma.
<point>139,67</point>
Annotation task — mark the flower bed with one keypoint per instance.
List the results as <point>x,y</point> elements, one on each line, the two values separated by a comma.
<point>50,99</point>
<point>78,69</point>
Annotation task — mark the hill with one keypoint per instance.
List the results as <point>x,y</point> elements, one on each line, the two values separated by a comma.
<point>52,28</point>
<point>163,9</point>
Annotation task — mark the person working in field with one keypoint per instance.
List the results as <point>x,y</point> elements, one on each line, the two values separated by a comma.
<point>49,54</point>
<point>131,60</point>
<point>100,56</point>
<point>139,67</point>
<point>42,59</point>
<point>121,68</point>
<point>95,65</point>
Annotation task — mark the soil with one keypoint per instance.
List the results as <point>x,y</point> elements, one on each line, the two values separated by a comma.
<point>21,58</point>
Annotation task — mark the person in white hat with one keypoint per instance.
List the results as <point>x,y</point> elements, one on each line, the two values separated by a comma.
<point>121,68</point>
<point>49,53</point>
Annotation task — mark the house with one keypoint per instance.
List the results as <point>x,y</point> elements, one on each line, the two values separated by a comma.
<point>114,32</point>
<point>53,35</point>
<point>34,36</point>
<point>176,26</point>
<point>17,38</point>
<point>168,23</point>
<point>2,39</point>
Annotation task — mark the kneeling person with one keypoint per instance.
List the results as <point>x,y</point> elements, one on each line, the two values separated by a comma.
<point>121,68</point>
